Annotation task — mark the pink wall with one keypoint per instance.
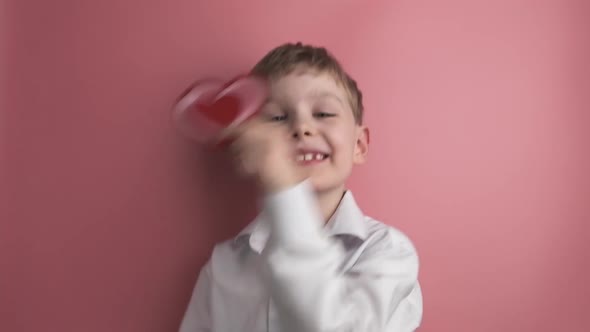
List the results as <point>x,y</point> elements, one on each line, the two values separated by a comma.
<point>480,138</point>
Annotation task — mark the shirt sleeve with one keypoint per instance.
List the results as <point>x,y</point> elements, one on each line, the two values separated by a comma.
<point>311,293</point>
<point>197,317</point>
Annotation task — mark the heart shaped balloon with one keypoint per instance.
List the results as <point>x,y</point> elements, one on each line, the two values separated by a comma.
<point>208,110</point>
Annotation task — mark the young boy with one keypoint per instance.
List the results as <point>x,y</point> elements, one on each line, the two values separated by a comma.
<point>311,261</point>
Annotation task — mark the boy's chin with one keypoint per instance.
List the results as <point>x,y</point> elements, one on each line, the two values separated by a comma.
<point>322,186</point>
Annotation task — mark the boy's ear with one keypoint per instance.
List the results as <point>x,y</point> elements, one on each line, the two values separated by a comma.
<point>361,148</point>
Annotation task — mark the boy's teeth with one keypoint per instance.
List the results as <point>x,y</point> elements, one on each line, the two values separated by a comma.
<point>311,156</point>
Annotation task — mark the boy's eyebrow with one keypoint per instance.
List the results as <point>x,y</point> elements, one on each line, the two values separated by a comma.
<point>268,101</point>
<point>327,94</point>
<point>316,95</point>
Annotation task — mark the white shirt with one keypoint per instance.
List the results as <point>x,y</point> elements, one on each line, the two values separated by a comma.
<point>285,272</point>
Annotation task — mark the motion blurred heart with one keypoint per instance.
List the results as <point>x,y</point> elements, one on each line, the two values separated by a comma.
<point>210,108</point>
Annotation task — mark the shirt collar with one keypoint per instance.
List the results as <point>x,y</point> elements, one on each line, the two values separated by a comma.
<point>347,220</point>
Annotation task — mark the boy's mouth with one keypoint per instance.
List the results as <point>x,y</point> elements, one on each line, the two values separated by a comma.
<point>311,157</point>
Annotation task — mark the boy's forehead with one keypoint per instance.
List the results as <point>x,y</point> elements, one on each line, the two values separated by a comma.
<point>306,84</point>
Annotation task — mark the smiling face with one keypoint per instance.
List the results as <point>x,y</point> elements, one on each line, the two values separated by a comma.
<point>316,110</point>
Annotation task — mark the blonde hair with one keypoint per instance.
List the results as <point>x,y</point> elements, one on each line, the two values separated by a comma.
<point>286,58</point>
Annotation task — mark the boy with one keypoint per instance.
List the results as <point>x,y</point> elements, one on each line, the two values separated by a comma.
<point>311,261</point>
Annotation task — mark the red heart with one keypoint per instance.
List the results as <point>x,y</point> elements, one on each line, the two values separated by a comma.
<point>208,107</point>
<point>222,111</point>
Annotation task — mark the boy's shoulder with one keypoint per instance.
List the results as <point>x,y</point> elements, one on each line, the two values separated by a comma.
<point>361,236</point>
<point>383,237</point>
<point>380,238</point>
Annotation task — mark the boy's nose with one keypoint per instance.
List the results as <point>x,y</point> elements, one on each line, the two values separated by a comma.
<point>301,129</point>
<point>299,134</point>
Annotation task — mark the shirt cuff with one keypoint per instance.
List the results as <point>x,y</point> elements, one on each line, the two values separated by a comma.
<point>294,217</point>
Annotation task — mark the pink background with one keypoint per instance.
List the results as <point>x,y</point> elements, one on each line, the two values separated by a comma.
<point>480,117</point>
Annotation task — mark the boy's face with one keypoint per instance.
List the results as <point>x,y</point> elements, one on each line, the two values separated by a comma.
<point>316,112</point>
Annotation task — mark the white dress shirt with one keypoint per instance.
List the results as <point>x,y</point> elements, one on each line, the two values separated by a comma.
<point>286,272</point>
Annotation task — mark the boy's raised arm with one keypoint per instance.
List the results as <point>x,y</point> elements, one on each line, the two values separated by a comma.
<point>307,287</point>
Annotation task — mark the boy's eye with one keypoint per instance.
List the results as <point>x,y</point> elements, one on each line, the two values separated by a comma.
<point>278,118</point>
<point>323,115</point>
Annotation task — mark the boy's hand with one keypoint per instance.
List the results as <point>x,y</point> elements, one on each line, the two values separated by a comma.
<point>267,153</point>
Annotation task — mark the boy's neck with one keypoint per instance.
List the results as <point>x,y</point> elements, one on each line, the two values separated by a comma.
<point>329,200</point>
